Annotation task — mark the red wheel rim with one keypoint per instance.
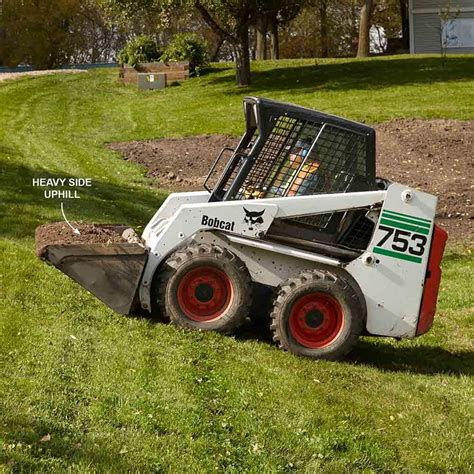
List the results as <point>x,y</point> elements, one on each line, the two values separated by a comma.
<point>316,320</point>
<point>204,293</point>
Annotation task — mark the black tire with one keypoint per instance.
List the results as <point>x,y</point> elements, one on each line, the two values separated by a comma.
<point>318,314</point>
<point>204,286</point>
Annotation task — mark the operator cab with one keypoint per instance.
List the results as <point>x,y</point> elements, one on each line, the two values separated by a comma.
<point>289,151</point>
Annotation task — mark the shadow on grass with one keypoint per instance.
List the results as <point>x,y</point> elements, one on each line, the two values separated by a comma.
<point>356,75</point>
<point>23,206</point>
<point>419,359</point>
<point>457,255</point>
<point>216,69</point>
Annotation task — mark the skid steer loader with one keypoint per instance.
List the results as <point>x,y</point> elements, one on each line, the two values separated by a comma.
<point>297,209</point>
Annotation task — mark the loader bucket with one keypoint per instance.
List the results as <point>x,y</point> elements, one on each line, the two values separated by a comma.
<point>110,270</point>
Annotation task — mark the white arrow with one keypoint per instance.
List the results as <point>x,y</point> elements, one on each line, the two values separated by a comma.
<point>76,231</point>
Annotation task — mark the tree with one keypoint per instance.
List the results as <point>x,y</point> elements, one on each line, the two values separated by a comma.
<point>156,18</point>
<point>386,21</point>
<point>39,33</point>
<point>274,37</point>
<point>405,23</point>
<point>447,32</point>
<point>231,20</point>
<point>261,29</point>
<point>228,19</point>
<point>364,29</point>
<point>50,33</point>
<point>95,40</point>
<point>272,15</point>
<point>323,27</point>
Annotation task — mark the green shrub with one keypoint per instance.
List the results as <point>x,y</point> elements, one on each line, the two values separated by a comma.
<point>142,49</point>
<point>187,47</point>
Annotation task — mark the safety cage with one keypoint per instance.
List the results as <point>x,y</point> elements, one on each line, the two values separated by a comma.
<point>293,151</point>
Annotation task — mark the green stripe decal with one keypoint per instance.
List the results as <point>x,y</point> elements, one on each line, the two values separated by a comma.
<point>401,225</point>
<point>399,214</point>
<point>401,256</point>
<point>409,220</point>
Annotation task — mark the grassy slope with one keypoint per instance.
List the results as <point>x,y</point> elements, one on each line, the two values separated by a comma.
<point>120,393</point>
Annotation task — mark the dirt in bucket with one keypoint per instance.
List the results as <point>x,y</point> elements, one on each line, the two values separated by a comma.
<point>59,233</point>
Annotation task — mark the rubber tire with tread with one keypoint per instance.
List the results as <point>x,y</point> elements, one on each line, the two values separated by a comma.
<point>354,313</point>
<point>190,257</point>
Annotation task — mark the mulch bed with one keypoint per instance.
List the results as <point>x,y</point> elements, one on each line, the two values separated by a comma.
<point>433,155</point>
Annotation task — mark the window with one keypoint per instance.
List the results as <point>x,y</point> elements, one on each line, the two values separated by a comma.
<point>458,33</point>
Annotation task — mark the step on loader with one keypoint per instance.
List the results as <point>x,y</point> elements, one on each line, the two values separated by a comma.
<point>299,210</point>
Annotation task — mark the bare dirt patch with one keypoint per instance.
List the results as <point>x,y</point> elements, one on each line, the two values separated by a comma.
<point>59,233</point>
<point>178,164</point>
<point>433,155</point>
<point>436,156</point>
<point>18,75</point>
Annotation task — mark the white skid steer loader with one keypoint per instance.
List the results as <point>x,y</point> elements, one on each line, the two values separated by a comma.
<point>298,209</point>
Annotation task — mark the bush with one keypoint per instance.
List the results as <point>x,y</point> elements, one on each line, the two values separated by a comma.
<point>142,49</point>
<point>187,47</point>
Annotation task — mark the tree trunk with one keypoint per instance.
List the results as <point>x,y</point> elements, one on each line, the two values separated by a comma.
<point>239,41</point>
<point>405,24</point>
<point>242,58</point>
<point>274,42</point>
<point>364,29</point>
<point>261,49</point>
<point>323,29</point>
<point>217,48</point>
<point>354,28</point>
<point>261,27</point>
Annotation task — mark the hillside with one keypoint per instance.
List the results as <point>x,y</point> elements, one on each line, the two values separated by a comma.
<point>85,389</point>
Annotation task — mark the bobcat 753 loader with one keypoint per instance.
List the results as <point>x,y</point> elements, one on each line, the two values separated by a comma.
<point>298,209</point>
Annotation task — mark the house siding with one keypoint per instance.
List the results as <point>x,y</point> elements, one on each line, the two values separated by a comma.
<point>426,28</point>
<point>427,32</point>
<point>438,4</point>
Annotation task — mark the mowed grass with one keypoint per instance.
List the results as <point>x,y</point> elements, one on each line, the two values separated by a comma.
<point>85,389</point>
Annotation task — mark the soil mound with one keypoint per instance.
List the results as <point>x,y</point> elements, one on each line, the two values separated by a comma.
<point>433,155</point>
<point>178,164</point>
<point>436,156</point>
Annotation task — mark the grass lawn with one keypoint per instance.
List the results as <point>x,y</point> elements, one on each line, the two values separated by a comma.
<point>85,389</point>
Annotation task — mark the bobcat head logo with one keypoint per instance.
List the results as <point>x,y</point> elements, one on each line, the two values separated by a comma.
<point>253,218</point>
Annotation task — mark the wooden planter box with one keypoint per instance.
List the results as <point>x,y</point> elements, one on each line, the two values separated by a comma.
<point>175,71</point>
